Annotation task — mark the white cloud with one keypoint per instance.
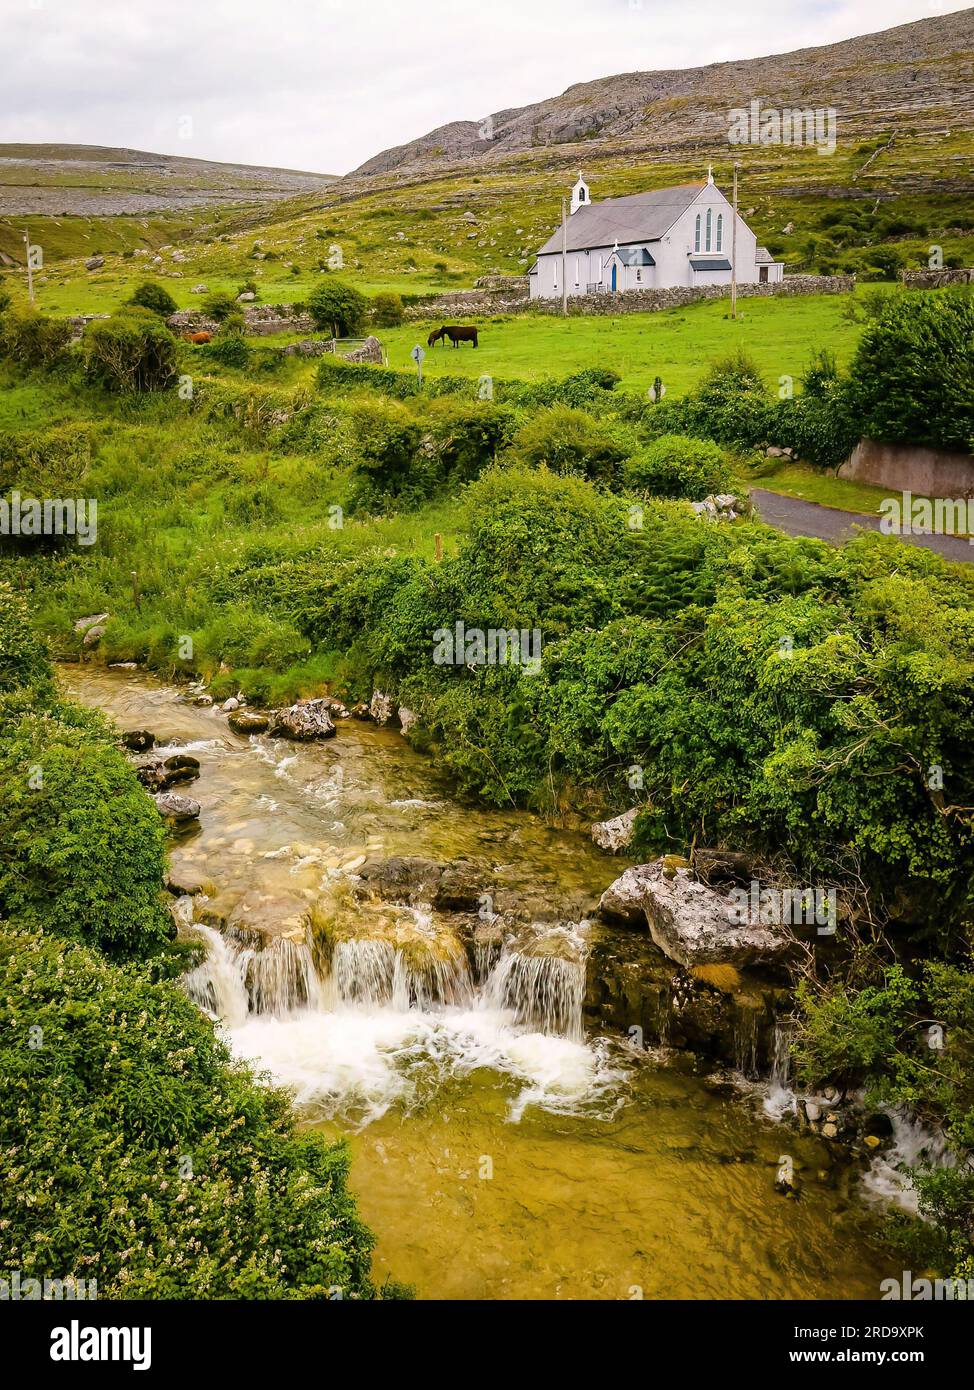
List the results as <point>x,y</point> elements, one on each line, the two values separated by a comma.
<point>324,84</point>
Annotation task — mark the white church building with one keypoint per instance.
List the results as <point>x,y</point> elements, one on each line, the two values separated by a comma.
<point>648,241</point>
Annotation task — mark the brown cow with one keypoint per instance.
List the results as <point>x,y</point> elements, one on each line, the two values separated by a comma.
<point>198,339</point>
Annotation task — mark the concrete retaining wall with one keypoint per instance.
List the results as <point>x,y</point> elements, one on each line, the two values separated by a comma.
<point>911,468</point>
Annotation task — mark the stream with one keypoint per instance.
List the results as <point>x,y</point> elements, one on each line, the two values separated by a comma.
<point>504,1144</point>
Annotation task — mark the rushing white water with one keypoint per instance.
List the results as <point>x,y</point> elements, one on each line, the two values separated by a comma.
<point>780,1099</point>
<point>888,1177</point>
<point>393,1016</point>
<point>217,984</point>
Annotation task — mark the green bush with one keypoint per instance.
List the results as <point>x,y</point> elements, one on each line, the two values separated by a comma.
<point>5,300</point>
<point>23,657</point>
<point>220,305</point>
<point>339,308</point>
<point>675,465</point>
<point>912,376</point>
<point>468,435</point>
<point>387,310</point>
<point>229,348</point>
<point>140,1154</point>
<point>31,339</point>
<point>81,844</point>
<point>49,462</point>
<point>567,440</point>
<point>130,352</point>
<point>149,295</point>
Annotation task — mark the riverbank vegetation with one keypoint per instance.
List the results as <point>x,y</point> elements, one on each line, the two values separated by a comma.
<point>136,1152</point>
<point>271,529</point>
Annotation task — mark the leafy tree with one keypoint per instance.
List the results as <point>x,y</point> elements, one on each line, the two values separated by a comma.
<point>338,307</point>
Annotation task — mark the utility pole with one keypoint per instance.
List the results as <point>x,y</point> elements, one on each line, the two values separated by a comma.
<point>564,257</point>
<point>734,248</point>
<point>30,268</point>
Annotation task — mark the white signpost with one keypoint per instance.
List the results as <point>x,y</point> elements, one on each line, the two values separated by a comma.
<point>418,356</point>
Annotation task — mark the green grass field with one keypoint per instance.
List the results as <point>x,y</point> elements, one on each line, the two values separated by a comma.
<point>678,345</point>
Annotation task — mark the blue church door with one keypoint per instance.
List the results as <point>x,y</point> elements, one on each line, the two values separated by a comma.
<point>615,277</point>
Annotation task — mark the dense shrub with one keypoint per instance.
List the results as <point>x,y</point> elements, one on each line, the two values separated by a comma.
<point>912,376</point>
<point>139,1154</point>
<point>468,435</point>
<point>33,340</point>
<point>338,307</point>
<point>49,462</point>
<point>230,349</point>
<point>387,310</point>
<point>5,300</point>
<point>568,440</point>
<point>23,657</point>
<point>220,305</point>
<point>676,465</point>
<point>388,438</point>
<point>129,352</point>
<point>149,295</point>
<point>81,848</point>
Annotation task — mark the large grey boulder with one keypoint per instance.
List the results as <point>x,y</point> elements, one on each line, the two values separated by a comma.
<point>691,922</point>
<point>616,834</point>
<point>304,722</point>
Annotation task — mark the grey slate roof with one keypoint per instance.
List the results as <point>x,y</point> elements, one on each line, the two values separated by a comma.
<point>710,263</point>
<point>640,217</point>
<point>763,256</point>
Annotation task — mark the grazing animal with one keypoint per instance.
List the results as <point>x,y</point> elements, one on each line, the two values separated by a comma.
<point>198,338</point>
<point>456,335</point>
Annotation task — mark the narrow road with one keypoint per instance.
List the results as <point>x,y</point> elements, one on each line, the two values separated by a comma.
<point>798,518</point>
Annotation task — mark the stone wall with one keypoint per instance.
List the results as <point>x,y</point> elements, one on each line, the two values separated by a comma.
<point>511,297</point>
<point>936,279</point>
<point>260,320</point>
<point>911,468</point>
<point>653,301</point>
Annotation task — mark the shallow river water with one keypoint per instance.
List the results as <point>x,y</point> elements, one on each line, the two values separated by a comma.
<point>499,1150</point>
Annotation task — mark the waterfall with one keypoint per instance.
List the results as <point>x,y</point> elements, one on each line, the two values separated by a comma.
<point>282,977</point>
<point>780,1099</point>
<point>217,984</point>
<point>746,1042</point>
<point>377,972</point>
<point>544,992</point>
<point>235,979</point>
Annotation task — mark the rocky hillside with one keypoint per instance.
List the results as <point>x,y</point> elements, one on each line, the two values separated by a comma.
<point>93,181</point>
<point>920,74</point>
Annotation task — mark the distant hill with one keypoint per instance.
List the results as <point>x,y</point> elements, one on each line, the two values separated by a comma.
<point>94,181</point>
<point>919,74</point>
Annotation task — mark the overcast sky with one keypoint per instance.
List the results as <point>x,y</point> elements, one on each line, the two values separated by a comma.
<point>324,84</point>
